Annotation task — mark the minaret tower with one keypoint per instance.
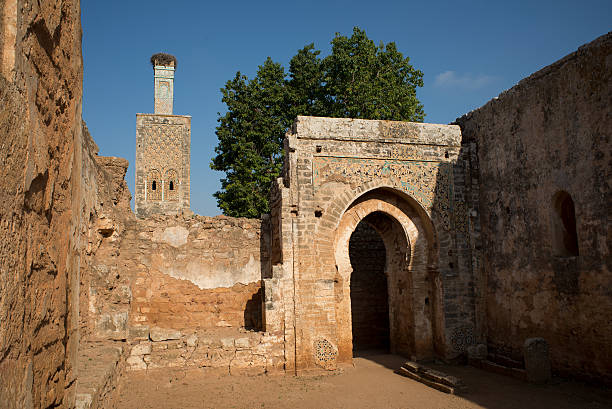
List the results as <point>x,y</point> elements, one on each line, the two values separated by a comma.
<point>163,143</point>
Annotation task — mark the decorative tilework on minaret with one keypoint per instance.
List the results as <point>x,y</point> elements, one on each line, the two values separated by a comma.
<point>163,68</point>
<point>163,143</point>
<point>164,89</point>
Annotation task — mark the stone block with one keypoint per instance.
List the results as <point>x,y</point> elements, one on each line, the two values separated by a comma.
<point>246,363</point>
<point>191,340</point>
<point>242,358</point>
<point>112,325</point>
<point>208,341</point>
<point>218,358</point>
<point>227,343</point>
<point>242,343</point>
<point>164,334</point>
<point>275,364</point>
<point>269,338</point>
<point>175,236</point>
<point>537,361</point>
<point>175,344</point>
<point>83,401</point>
<point>141,349</point>
<point>159,346</point>
<point>136,363</point>
<point>198,355</point>
<point>138,332</point>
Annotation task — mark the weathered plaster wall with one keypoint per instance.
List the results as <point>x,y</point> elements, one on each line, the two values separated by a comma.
<point>44,204</point>
<point>183,291</point>
<point>551,132</point>
<point>176,272</point>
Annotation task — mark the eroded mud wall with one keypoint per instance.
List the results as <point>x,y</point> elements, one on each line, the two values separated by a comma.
<point>42,201</point>
<point>549,134</point>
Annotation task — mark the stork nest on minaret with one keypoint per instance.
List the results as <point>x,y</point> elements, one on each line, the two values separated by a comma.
<point>164,59</point>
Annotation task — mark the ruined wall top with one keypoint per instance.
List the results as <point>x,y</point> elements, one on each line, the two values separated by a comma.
<point>547,77</point>
<point>308,127</point>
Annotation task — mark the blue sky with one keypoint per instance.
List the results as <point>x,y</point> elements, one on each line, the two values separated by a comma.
<point>470,51</point>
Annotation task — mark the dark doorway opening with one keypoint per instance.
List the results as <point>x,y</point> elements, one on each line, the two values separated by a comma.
<point>565,240</point>
<point>369,294</point>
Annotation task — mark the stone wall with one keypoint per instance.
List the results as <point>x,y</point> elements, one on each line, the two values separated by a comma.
<point>44,203</point>
<point>219,351</point>
<point>178,288</point>
<point>184,290</point>
<point>177,272</point>
<point>112,211</point>
<point>56,195</point>
<point>549,135</point>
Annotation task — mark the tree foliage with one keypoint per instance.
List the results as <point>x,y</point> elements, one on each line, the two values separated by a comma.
<point>357,80</point>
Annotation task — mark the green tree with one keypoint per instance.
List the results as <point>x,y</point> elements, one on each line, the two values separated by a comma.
<point>357,80</point>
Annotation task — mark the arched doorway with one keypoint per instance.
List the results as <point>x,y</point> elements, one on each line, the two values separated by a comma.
<point>410,256</point>
<point>369,292</point>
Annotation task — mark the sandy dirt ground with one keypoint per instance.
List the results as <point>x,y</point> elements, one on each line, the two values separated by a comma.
<point>370,384</point>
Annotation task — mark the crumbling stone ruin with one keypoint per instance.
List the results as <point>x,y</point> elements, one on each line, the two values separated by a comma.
<point>487,239</point>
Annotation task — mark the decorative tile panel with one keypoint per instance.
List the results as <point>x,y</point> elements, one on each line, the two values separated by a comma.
<point>429,183</point>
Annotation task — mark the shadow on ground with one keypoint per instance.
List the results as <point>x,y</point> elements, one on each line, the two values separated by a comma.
<point>493,391</point>
<point>370,384</point>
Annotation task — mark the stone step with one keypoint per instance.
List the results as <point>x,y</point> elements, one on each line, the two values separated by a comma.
<point>489,366</point>
<point>505,361</point>
<point>432,378</point>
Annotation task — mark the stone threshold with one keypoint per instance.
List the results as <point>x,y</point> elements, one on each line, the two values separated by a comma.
<point>490,366</point>
<point>432,378</point>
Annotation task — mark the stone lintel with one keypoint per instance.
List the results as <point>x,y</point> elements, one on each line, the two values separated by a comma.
<point>309,127</point>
